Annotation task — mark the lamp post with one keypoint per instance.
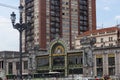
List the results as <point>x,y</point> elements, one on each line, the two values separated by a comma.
<point>20,27</point>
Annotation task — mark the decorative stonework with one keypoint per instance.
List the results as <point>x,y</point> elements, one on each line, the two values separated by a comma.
<point>87,44</point>
<point>58,45</point>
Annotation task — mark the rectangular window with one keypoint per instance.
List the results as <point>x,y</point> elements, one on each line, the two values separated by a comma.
<point>99,71</point>
<point>42,61</point>
<point>17,65</point>
<point>111,61</point>
<point>25,64</point>
<point>1,64</point>
<point>101,39</point>
<point>99,61</point>
<point>112,71</point>
<point>111,44</point>
<point>110,38</point>
<point>10,68</point>
<point>75,60</point>
<point>58,61</point>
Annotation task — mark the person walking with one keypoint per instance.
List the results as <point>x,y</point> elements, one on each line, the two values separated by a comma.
<point>107,77</point>
<point>1,78</point>
<point>96,78</point>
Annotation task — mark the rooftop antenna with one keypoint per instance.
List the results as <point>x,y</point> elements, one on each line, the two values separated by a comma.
<point>102,26</point>
<point>117,22</point>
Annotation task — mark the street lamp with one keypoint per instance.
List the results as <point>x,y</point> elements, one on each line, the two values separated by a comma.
<point>20,27</point>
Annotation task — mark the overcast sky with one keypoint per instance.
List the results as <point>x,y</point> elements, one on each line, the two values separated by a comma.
<point>9,37</point>
<point>108,14</point>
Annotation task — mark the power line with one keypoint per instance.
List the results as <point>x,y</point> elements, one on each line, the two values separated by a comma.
<point>8,6</point>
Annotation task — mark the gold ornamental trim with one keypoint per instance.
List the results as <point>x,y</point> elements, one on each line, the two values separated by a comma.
<point>58,54</point>
<point>111,55</point>
<point>75,54</point>
<point>99,56</point>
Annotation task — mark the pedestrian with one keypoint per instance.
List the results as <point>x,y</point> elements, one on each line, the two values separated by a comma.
<point>107,77</point>
<point>1,78</point>
<point>96,78</point>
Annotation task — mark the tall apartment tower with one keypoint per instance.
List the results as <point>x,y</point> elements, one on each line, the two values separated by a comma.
<point>52,19</point>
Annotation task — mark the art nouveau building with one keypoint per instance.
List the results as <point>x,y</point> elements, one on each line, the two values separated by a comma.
<point>56,59</point>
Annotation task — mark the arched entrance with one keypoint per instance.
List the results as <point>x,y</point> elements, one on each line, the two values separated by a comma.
<point>58,56</point>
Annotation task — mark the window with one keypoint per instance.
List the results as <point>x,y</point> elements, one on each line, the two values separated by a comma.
<point>112,71</point>
<point>83,1</point>
<point>67,3</point>
<point>58,61</point>
<point>25,64</point>
<point>1,64</point>
<point>111,44</point>
<point>102,45</point>
<point>75,59</point>
<point>42,61</point>
<point>76,71</point>
<point>99,71</point>
<point>10,68</point>
<point>110,38</point>
<point>101,40</point>
<point>111,61</point>
<point>99,61</point>
<point>17,65</point>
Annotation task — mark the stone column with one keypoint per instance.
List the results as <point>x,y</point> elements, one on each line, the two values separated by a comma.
<point>66,66</point>
<point>117,64</point>
<point>105,63</point>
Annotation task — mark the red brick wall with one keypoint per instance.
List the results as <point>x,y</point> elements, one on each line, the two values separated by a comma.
<point>42,23</point>
<point>94,14</point>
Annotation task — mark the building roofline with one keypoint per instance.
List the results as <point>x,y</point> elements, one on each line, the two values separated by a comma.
<point>109,29</point>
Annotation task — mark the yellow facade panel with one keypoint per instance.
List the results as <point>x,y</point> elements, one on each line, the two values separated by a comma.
<point>111,55</point>
<point>99,56</point>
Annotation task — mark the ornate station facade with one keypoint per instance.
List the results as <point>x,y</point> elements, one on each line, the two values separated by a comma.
<point>59,59</point>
